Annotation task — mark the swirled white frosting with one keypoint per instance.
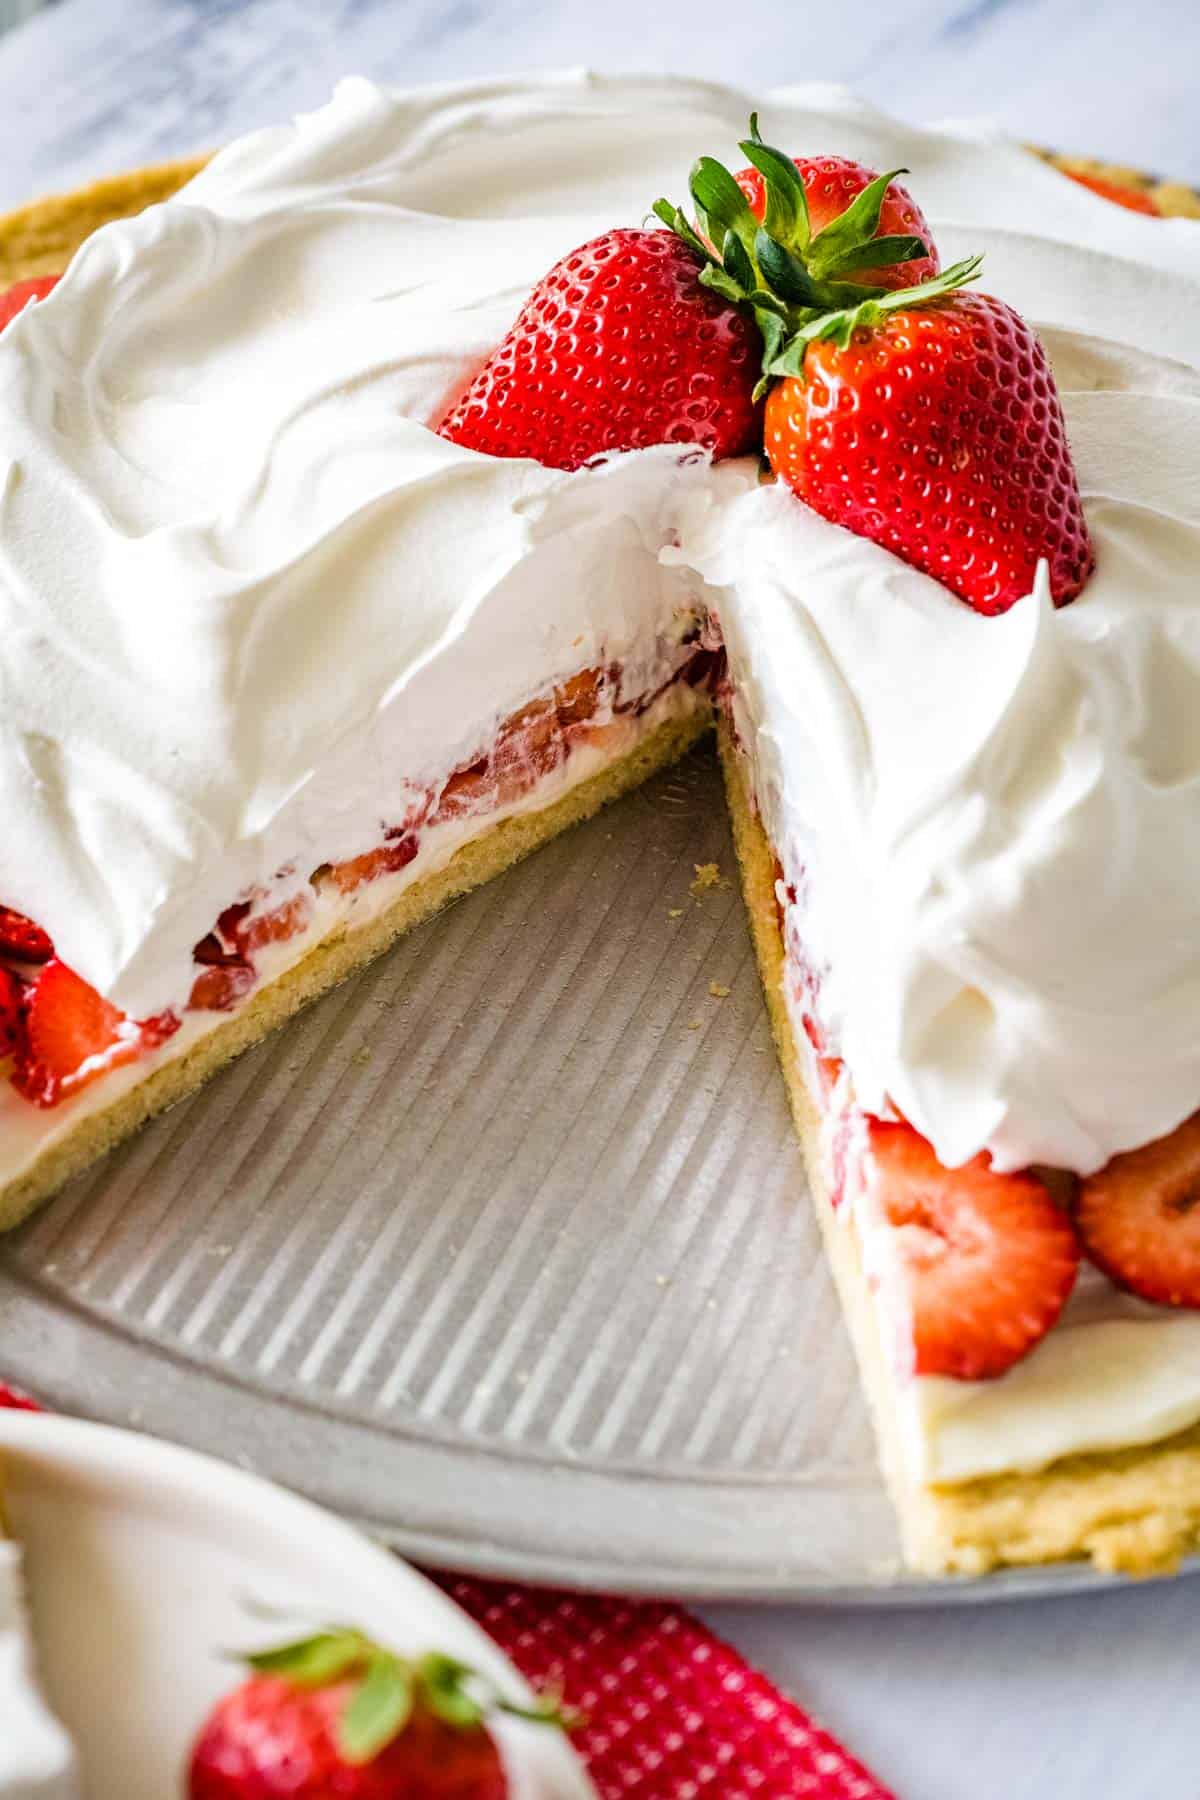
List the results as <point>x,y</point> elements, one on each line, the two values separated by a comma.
<point>239,577</point>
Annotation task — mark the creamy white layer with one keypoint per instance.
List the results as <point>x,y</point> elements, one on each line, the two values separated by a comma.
<point>239,576</point>
<point>1113,1371</point>
<point>37,1761</point>
<point>993,824</point>
<point>27,1132</point>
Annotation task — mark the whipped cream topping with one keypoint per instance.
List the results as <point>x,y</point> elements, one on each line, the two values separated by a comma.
<point>239,576</point>
<point>241,579</point>
<point>993,825</point>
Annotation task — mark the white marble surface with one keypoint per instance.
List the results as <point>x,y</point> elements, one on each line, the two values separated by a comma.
<point>1076,1700</point>
<point>104,84</point>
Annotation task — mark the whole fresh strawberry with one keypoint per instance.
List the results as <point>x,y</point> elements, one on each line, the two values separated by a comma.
<point>619,347</point>
<point>923,418</point>
<point>16,299</point>
<point>937,431</point>
<point>337,1717</point>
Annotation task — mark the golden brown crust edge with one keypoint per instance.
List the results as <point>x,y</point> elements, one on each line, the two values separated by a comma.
<point>41,238</point>
<point>1136,1511</point>
<point>334,959</point>
<point>1173,198</point>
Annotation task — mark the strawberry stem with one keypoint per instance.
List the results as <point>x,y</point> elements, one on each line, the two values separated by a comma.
<point>793,284</point>
<point>387,1688</point>
<point>841,325</point>
<point>378,1710</point>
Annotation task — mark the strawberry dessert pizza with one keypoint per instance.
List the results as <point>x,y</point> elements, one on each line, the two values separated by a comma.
<point>406,483</point>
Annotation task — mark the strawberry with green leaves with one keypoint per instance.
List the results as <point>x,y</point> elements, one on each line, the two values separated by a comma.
<point>899,252</point>
<point>336,1714</point>
<point>921,417</point>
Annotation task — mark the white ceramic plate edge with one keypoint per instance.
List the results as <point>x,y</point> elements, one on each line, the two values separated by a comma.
<point>109,1471</point>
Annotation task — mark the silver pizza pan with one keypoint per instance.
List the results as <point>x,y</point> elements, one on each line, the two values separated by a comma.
<point>504,1250</point>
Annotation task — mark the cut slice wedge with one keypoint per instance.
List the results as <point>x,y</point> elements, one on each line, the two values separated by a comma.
<point>1133,1507</point>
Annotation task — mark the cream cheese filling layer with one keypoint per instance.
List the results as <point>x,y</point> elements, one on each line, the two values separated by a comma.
<point>27,1132</point>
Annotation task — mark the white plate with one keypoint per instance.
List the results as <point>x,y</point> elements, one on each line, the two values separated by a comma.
<point>140,1561</point>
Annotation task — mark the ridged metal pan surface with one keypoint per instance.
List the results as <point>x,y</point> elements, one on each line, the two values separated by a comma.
<point>502,1249</point>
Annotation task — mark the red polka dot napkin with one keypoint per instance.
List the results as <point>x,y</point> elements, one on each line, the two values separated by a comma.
<point>669,1711</point>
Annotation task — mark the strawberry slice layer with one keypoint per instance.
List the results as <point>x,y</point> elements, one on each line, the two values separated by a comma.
<point>72,1036</point>
<point>982,1264</point>
<point>16,299</point>
<point>1139,1218</point>
<point>22,939</point>
<point>12,1000</point>
<point>1133,199</point>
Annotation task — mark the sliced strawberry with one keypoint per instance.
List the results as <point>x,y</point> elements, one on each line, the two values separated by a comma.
<point>392,856</point>
<point>467,791</point>
<point>22,939</point>
<point>16,299</point>
<point>530,745</point>
<point>12,1029</point>
<point>1133,199</point>
<point>983,1263</point>
<point>73,1036</point>
<point>1139,1218</point>
<point>220,986</point>
<point>578,699</point>
<point>249,931</point>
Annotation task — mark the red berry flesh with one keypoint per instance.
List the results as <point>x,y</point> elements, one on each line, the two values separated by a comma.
<point>984,1262</point>
<point>1139,1218</point>
<point>619,347</point>
<point>939,433</point>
